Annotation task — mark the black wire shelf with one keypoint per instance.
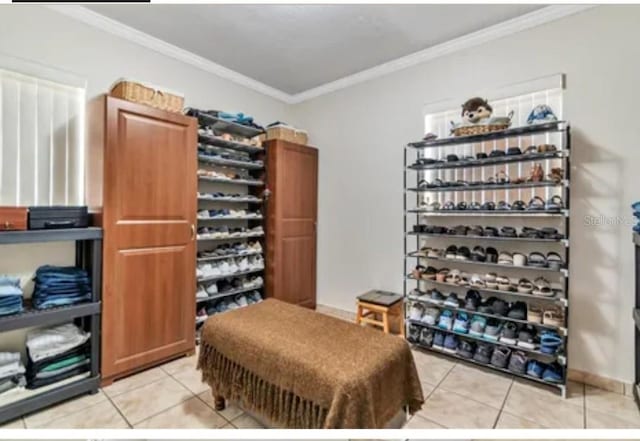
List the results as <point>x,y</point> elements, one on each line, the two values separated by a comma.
<point>491,238</point>
<point>249,182</point>
<point>231,163</point>
<point>491,213</point>
<point>557,297</point>
<point>559,356</point>
<point>214,141</point>
<point>490,366</point>
<point>534,129</point>
<point>469,188</point>
<point>491,264</point>
<point>560,329</point>
<point>499,160</point>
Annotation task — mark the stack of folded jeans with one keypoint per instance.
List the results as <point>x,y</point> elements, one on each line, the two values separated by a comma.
<point>11,372</point>
<point>56,354</point>
<point>59,286</point>
<point>10,295</point>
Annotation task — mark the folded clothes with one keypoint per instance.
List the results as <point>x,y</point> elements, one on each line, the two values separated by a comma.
<point>10,364</point>
<point>72,367</point>
<point>43,343</point>
<point>40,382</point>
<point>58,361</point>
<point>10,286</point>
<point>60,286</point>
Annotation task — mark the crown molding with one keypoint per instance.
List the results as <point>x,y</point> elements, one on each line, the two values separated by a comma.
<point>506,28</point>
<point>121,30</point>
<point>500,30</point>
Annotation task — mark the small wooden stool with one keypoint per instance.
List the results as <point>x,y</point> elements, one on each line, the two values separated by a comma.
<point>386,304</point>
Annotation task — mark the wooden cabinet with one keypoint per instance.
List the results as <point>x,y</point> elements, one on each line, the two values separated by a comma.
<point>292,215</point>
<point>144,163</point>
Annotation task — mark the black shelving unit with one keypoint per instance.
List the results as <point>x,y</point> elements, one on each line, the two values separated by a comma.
<point>423,157</point>
<point>89,257</point>
<point>253,168</point>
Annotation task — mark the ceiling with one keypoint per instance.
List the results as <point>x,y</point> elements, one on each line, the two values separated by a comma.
<point>294,48</point>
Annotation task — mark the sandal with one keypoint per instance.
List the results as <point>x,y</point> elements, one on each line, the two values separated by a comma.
<point>424,184</point>
<point>553,317</point>
<point>534,314</point>
<point>441,275</point>
<point>554,261</point>
<point>488,206</point>
<point>537,259</point>
<point>417,272</point>
<point>531,150</point>
<point>536,203</point>
<point>556,175</point>
<point>503,205</point>
<point>502,178</point>
<point>542,288</point>
<point>536,174</point>
<point>555,203</point>
<point>430,273</point>
<point>518,206</point>
<point>547,148</point>
<point>434,253</point>
<point>525,286</point>
<point>477,282</point>
<point>505,258</point>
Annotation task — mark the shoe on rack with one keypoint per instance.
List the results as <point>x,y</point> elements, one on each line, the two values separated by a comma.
<point>499,306</point>
<point>416,311</point>
<point>201,293</point>
<point>478,324</point>
<point>426,337</point>
<point>212,289</point>
<point>466,348</point>
<point>518,362</point>
<point>431,316</point>
<point>436,297</point>
<point>452,300</point>
<point>483,353</point>
<point>492,331</point>
<point>414,334</point>
<point>553,373</point>
<point>254,297</point>
<point>461,323</point>
<point>241,300</point>
<point>535,368</point>
<point>509,334</point>
<point>438,340</point>
<point>446,320</point>
<point>500,357</point>
<point>472,300</point>
<point>451,343</point>
<point>527,337</point>
<point>518,311</point>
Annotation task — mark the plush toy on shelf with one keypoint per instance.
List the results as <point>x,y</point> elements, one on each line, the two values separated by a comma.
<point>477,119</point>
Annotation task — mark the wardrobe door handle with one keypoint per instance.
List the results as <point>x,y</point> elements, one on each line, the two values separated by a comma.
<point>193,231</point>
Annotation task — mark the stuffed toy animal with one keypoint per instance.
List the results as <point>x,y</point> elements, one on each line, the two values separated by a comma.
<point>475,110</point>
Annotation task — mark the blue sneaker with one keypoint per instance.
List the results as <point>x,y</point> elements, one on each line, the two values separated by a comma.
<point>553,373</point>
<point>535,369</point>
<point>446,320</point>
<point>451,343</point>
<point>438,341</point>
<point>461,323</point>
<point>550,342</point>
<point>478,323</point>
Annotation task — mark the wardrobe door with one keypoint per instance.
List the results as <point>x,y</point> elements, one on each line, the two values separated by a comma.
<point>149,226</point>
<point>291,229</point>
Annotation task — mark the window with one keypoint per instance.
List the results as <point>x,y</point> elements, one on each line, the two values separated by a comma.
<point>41,136</point>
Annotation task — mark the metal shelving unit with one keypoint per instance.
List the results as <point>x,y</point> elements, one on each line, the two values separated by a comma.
<point>636,318</point>
<point>416,213</point>
<point>87,315</point>
<point>253,180</point>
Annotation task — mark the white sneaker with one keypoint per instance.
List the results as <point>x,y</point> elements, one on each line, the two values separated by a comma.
<point>203,214</point>
<point>224,267</point>
<point>233,267</point>
<point>243,264</point>
<point>212,289</point>
<point>201,293</point>
<point>199,273</point>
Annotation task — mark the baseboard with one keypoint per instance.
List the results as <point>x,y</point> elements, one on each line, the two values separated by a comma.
<point>578,376</point>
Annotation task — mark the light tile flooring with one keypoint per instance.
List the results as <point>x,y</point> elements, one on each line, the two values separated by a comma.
<point>457,396</point>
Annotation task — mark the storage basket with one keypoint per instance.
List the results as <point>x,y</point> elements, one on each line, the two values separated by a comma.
<point>287,133</point>
<point>478,129</point>
<point>144,93</point>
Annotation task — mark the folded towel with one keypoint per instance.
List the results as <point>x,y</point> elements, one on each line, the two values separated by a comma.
<point>43,343</point>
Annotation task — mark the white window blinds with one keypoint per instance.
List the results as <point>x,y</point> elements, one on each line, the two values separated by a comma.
<point>41,141</point>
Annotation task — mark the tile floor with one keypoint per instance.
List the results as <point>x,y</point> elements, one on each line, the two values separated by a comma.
<point>457,396</point>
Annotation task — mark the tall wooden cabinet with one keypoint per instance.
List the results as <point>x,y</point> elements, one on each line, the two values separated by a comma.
<point>292,215</point>
<point>142,178</point>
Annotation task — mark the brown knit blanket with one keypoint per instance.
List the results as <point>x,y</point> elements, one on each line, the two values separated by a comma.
<point>303,369</point>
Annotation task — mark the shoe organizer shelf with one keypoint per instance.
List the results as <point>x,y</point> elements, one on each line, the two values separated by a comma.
<point>88,243</point>
<point>636,318</point>
<point>235,180</point>
<point>431,176</point>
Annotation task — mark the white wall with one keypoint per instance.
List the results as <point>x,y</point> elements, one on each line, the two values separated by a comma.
<point>361,130</point>
<point>40,35</point>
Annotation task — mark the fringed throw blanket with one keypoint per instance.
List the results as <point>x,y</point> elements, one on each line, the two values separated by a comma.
<point>302,369</point>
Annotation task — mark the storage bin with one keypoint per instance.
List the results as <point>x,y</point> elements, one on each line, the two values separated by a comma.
<point>145,93</point>
<point>13,218</point>
<point>45,218</point>
<point>286,133</point>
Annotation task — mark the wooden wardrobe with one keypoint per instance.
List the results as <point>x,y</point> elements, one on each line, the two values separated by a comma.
<point>292,214</point>
<point>142,181</point>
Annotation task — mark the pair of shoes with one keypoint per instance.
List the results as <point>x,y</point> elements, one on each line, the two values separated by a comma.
<point>552,373</point>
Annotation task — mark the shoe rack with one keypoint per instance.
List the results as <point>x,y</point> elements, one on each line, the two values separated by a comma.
<point>431,160</point>
<point>249,183</point>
